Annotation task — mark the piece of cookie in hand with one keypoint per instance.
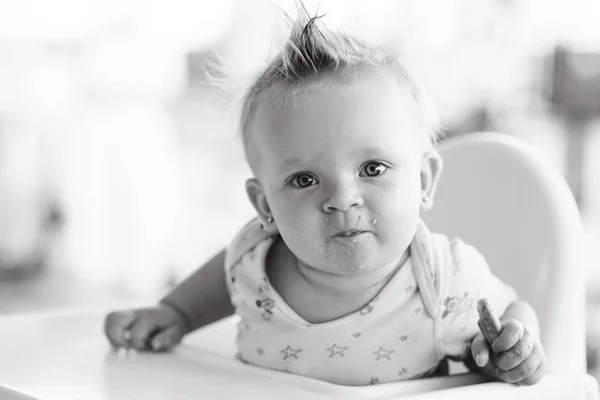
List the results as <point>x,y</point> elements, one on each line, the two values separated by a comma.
<point>489,323</point>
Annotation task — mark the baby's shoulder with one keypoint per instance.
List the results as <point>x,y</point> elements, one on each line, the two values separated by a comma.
<point>456,256</point>
<point>245,240</point>
<point>447,247</point>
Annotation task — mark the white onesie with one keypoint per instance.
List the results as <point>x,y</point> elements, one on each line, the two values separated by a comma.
<point>425,313</point>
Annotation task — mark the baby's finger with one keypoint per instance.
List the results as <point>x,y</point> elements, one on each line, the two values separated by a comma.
<point>536,377</point>
<point>166,339</point>
<point>514,356</point>
<point>141,331</point>
<point>116,323</point>
<point>480,351</point>
<point>526,369</point>
<point>512,332</point>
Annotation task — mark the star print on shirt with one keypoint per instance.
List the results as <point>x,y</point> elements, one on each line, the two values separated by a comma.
<point>335,350</point>
<point>403,338</point>
<point>289,352</point>
<point>382,353</point>
<point>403,371</point>
<point>409,289</point>
<point>260,351</point>
<point>266,316</point>
<point>417,310</point>
<point>356,334</point>
<point>374,381</point>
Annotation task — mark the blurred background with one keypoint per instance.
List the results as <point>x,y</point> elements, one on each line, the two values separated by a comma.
<point>120,166</point>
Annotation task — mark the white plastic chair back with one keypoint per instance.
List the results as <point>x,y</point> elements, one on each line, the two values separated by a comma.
<point>505,197</point>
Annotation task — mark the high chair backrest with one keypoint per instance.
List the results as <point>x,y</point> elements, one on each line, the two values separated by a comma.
<point>507,199</point>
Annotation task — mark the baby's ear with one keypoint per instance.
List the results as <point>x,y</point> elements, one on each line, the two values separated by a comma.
<point>257,197</point>
<point>431,169</point>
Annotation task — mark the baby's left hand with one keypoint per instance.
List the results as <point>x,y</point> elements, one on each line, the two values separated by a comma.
<point>515,356</point>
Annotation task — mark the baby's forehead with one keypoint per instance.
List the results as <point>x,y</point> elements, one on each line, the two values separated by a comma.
<point>304,105</point>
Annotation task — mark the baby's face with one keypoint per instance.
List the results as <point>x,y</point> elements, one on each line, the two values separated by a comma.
<point>340,170</point>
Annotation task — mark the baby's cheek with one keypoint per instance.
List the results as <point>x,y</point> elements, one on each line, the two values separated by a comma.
<point>396,228</point>
<point>303,236</point>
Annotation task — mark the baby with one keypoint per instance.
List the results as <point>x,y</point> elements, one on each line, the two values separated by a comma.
<point>338,278</point>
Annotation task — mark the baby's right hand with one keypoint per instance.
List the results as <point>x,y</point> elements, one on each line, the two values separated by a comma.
<point>156,328</point>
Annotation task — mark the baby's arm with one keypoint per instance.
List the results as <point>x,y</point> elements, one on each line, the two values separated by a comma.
<point>516,355</point>
<point>203,297</point>
<point>200,299</point>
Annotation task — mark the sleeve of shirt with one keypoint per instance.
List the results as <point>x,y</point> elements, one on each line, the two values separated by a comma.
<point>469,279</point>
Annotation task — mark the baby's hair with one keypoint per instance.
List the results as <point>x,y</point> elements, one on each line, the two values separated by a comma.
<point>313,50</point>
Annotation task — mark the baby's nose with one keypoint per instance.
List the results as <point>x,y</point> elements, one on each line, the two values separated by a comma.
<point>342,198</point>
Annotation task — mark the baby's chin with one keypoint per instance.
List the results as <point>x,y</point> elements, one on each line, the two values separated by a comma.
<point>355,267</point>
<point>363,263</point>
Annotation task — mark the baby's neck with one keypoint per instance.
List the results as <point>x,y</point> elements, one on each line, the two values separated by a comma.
<point>345,285</point>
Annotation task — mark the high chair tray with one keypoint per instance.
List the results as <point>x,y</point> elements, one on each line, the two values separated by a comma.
<point>64,356</point>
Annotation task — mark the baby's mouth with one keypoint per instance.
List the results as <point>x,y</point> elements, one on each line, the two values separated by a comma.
<point>351,233</point>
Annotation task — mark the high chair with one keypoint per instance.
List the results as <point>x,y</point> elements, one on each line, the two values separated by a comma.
<point>504,197</point>
<point>496,192</point>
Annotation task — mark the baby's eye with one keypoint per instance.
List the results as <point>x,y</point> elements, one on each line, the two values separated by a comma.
<point>373,168</point>
<point>303,180</point>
